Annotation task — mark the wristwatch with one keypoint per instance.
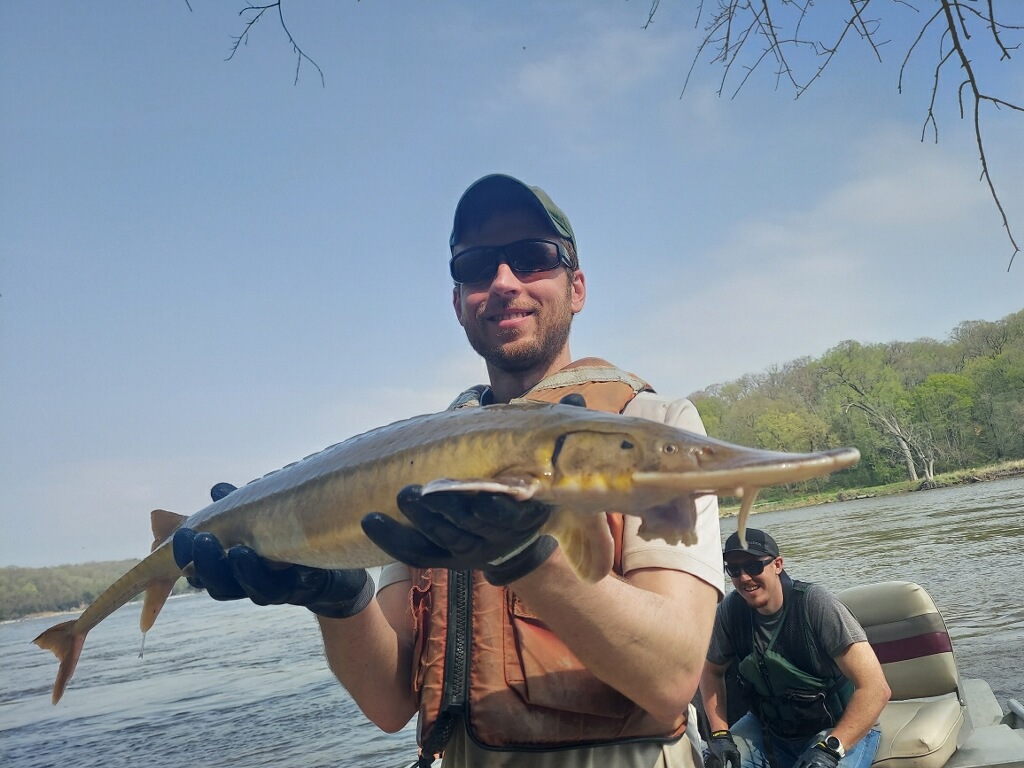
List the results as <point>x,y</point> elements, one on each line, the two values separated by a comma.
<point>833,743</point>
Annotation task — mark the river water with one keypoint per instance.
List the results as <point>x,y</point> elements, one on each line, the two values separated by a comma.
<point>229,684</point>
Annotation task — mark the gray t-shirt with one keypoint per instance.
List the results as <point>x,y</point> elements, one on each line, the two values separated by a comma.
<point>832,625</point>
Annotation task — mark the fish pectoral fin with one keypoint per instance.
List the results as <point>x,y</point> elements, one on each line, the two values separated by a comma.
<point>674,522</point>
<point>164,523</point>
<point>520,488</point>
<point>586,542</point>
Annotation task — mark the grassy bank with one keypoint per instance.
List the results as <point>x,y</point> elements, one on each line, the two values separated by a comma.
<point>960,477</point>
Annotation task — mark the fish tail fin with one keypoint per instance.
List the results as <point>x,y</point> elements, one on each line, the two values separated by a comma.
<point>66,644</point>
<point>164,523</point>
<point>156,595</point>
<point>586,542</point>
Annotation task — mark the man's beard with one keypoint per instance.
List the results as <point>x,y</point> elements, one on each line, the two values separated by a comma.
<point>520,356</point>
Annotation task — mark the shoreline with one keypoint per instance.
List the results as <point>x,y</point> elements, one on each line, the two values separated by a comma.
<point>75,612</point>
<point>1003,471</point>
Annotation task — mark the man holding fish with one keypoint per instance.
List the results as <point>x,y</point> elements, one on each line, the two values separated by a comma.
<point>482,627</point>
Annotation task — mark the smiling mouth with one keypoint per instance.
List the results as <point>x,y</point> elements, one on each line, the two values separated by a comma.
<point>503,316</point>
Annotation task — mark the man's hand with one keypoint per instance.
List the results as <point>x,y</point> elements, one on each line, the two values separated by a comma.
<point>817,756</point>
<point>486,531</point>
<point>240,572</point>
<point>722,751</point>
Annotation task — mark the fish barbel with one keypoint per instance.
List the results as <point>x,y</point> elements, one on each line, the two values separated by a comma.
<point>583,462</point>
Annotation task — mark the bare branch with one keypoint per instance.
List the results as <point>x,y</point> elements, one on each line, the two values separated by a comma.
<point>768,31</point>
<point>930,117</point>
<point>995,27</point>
<point>734,23</point>
<point>257,12</point>
<point>910,50</point>
<point>650,13</point>
<point>865,33</point>
<point>972,82</point>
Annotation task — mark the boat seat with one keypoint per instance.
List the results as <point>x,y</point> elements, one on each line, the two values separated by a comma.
<point>921,723</point>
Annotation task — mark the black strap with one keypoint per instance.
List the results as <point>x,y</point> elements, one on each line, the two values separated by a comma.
<point>769,747</point>
<point>439,737</point>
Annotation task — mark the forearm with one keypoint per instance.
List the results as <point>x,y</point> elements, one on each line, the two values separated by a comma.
<point>860,715</point>
<point>373,663</point>
<point>645,636</point>
<point>870,693</point>
<point>713,693</point>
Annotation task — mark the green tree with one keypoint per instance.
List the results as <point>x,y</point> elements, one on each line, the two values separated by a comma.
<point>998,415</point>
<point>867,382</point>
<point>944,402</point>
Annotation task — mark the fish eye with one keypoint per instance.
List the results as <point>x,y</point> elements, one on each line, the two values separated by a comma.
<point>670,448</point>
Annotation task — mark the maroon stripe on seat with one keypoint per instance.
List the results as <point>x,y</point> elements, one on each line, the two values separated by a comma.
<point>913,647</point>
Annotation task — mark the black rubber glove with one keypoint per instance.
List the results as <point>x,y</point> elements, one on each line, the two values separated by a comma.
<point>722,751</point>
<point>240,573</point>
<point>490,532</point>
<point>817,756</point>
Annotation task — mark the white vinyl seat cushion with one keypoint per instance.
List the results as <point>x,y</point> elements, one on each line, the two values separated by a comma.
<point>918,733</point>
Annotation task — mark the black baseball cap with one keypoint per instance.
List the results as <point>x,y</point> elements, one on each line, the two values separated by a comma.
<point>759,544</point>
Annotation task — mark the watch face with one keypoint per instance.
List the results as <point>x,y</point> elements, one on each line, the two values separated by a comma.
<point>833,743</point>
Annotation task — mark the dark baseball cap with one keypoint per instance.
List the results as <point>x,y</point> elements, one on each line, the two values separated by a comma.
<point>759,544</point>
<point>501,191</point>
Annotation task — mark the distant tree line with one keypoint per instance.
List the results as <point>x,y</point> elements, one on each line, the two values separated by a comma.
<point>25,591</point>
<point>913,409</point>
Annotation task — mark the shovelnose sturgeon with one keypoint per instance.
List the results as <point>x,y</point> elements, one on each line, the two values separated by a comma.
<point>581,461</point>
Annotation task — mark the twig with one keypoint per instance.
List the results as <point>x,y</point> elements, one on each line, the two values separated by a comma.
<point>258,11</point>
<point>725,34</point>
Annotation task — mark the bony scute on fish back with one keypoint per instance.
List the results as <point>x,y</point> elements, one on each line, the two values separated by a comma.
<point>582,462</point>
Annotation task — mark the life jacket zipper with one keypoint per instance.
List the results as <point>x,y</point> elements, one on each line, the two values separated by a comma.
<point>460,626</point>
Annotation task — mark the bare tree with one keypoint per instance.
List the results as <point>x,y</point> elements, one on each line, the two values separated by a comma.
<point>886,414</point>
<point>742,35</point>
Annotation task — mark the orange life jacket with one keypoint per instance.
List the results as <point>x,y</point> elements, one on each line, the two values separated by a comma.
<point>483,658</point>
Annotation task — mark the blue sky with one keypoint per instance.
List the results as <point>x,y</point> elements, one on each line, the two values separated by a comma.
<point>208,271</point>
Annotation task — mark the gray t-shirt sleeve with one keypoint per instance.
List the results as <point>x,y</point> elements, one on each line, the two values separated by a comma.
<point>702,559</point>
<point>721,649</point>
<point>831,621</point>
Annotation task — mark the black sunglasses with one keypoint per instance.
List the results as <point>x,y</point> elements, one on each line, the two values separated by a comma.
<point>756,568</point>
<point>475,265</point>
